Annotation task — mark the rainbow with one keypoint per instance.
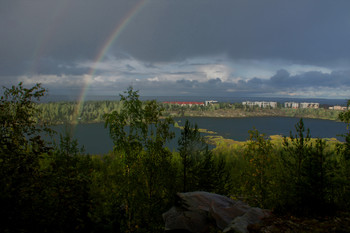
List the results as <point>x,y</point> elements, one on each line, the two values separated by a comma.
<point>101,54</point>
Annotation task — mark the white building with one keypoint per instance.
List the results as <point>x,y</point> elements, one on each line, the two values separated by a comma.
<point>337,107</point>
<point>207,102</point>
<point>260,104</point>
<point>291,105</point>
<point>309,105</point>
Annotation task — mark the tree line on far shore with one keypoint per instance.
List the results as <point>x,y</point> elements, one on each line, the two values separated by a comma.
<point>59,188</point>
<point>94,111</point>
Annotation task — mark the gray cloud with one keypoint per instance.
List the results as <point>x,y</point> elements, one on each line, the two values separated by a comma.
<point>315,31</point>
<point>308,31</point>
<point>64,31</point>
<point>282,83</point>
<point>278,85</point>
<point>282,79</point>
<point>47,39</point>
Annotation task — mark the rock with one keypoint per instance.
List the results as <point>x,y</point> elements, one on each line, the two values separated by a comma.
<point>178,218</point>
<point>241,223</point>
<point>200,211</point>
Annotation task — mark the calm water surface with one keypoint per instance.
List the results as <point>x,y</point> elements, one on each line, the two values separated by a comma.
<point>95,138</point>
<point>237,128</point>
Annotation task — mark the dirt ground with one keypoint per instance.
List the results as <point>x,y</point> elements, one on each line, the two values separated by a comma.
<point>292,224</point>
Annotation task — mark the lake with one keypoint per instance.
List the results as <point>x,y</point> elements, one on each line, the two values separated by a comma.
<point>95,138</point>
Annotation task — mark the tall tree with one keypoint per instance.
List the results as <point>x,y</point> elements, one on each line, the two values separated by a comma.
<point>258,152</point>
<point>191,144</point>
<point>140,133</point>
<point>20,150</point>
<point>344,151</point>
<point>65,193</point>
<point>308,168</point>
<point>200,169</point>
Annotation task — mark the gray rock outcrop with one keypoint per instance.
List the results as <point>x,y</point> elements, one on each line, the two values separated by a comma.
<point>199,211</point>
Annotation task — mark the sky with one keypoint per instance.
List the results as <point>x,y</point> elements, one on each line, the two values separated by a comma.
<point>262,48</point>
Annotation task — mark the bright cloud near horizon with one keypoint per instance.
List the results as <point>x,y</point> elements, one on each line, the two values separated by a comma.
<point>251,48</point>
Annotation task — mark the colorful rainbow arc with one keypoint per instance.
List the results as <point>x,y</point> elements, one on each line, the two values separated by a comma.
<point>110,40</point>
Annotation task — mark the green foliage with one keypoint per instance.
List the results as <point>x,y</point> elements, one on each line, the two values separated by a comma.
<point>60,189</point>
<point>344,153</point>
<point>238,106</point>
<point>298,175</point>
<point>191,144</point>
<point>20,151</point>
<point>298,148</point>
<point>66,178</point>
<point>345,116</point>
<point>107,191</point>
<point>308,173</point>
<point>63,112</point>
<point>18,125</point>
<point>94,111</point>
<point>42,190</point>
<point>345,148</point>
<point>258,155</point>
<point>139,135</point>
<point>319,113</point>
<point>212,173</point>
<point>200,169</point>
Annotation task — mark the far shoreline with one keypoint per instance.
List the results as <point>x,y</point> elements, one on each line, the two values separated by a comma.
<point>93,112</point>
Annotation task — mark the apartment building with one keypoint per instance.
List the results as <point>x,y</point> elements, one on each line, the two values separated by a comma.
<point>291,105</point>
<point>309,105</point>
<point>301,105</point>
<point>337,107</point>
<point>261,104</point>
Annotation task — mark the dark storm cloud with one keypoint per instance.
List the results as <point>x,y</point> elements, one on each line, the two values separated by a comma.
<point>184,73</point>
<point>313,31</point>
<point>130,67</point>
<point>210,87</point>
<point>305,31</point>
<point>282,81</point>
<point>214,81</point>
<point>51,66</point>
<point>188,84</point>
<point>254,82</point>
<point>169,40</point>
<point>64,31</point>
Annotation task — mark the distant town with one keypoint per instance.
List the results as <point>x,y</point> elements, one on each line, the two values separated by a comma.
<point>295,105</point>
<point>260,104</point>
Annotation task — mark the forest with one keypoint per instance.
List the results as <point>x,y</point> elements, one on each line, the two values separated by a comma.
<point>47,187</point>
<point>94,111</point>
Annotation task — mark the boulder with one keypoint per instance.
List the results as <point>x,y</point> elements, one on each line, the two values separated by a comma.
<point>200,211</point>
